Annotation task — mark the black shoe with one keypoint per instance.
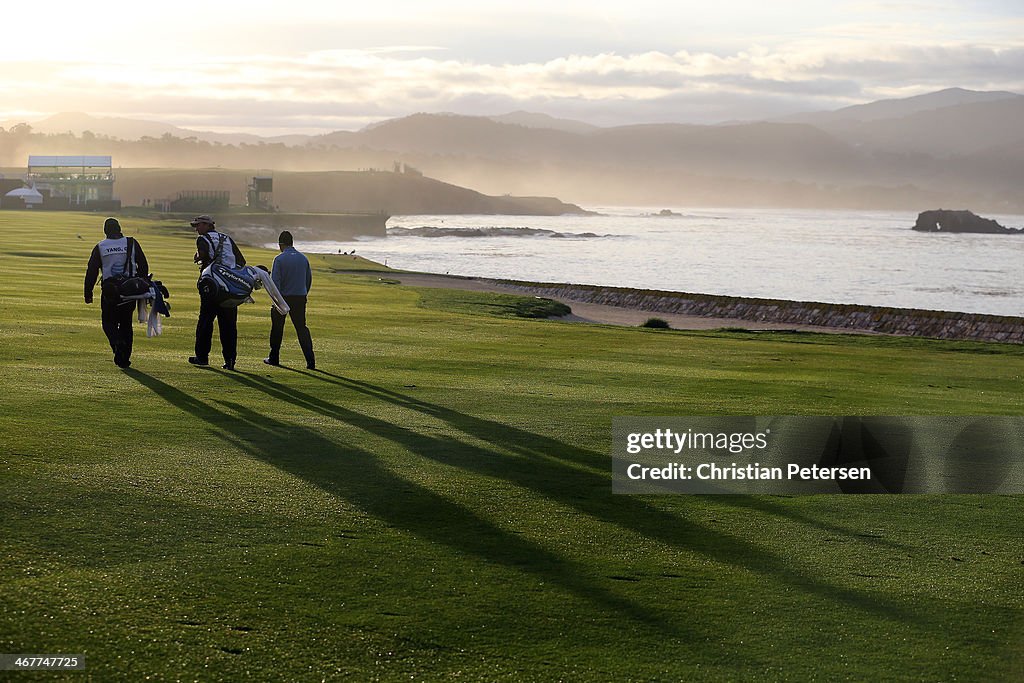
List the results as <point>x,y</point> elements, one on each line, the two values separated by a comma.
<point>311,366</point>
<point>196,360</point>
<point>271,361</point>
<point>229,365</point>
<point>123,363</point>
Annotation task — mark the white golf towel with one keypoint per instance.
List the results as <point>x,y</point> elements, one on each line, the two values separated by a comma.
<point>275,295</point>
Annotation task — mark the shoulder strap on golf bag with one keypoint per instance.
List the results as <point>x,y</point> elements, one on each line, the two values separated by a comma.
<point>129,265</point>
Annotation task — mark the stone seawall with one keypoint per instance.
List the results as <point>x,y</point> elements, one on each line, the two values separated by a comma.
<point>897,321</point>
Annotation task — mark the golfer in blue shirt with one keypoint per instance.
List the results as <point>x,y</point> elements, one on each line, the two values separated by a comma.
<point>293,277</point>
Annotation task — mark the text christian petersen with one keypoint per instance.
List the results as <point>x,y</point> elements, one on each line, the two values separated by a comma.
<point>668,441</point>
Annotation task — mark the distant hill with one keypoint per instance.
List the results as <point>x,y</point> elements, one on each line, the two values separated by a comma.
<point>953,130</point>
<point>759,149</point>
<point>339,191</point>
<point>134,129</point>
<point>944,123</point>
<point>752,149</point>
<point>476,136</point>
<point>399,193</point>
<point>126,129</point>
<point>534,120</point>
<point>955,146</point>
<point>897,108</point>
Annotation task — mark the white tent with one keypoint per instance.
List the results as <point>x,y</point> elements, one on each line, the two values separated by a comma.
<point>29,195</point>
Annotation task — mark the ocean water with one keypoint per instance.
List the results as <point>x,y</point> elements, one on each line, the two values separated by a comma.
<point>858,257</point>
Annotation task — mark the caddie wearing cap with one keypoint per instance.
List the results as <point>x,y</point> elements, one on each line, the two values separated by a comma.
<point>213,246</point>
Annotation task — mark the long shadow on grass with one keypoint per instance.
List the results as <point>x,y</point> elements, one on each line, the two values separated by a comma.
<point>529,444</point>
<point>357,476</point>
<point>571,486</point>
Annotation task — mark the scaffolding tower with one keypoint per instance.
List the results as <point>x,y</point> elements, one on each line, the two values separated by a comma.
<point>261,193</point>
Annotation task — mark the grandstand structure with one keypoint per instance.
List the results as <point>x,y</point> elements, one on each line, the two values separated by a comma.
<point>78,182</point>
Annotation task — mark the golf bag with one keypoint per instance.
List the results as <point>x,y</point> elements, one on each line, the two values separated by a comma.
<point>227,287</point>
<point>127,286</point>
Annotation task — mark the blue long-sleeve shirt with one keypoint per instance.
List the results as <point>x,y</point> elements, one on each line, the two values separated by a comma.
<point>291,273</point>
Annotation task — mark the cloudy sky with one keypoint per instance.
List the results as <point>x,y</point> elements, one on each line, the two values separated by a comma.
<point>274,67</point>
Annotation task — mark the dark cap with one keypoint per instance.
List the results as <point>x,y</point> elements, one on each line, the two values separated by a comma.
<point>111,227</point>
<point>202,219</point>
<point>285,239</point>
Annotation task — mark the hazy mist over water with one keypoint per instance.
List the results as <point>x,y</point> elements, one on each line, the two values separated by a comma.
<point>810,255</point>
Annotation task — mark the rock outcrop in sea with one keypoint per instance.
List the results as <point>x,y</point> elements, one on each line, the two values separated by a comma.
<point>944,220</point>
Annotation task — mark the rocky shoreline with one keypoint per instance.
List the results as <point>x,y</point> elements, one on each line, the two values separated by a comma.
<point>854,318</point>
<point>624,306</point>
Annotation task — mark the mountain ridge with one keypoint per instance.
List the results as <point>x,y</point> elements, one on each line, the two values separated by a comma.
<point>969,150</point>
<point>830,121</point>
<point>899,107</point>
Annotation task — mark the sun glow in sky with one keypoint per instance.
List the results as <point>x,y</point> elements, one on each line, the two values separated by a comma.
<point>273,68</point>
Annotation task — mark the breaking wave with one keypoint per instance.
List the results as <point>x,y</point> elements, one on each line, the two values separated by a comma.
<point>433,231</point>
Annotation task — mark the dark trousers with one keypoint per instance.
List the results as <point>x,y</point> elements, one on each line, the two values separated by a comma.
<point>117,325</point>
<point>227,323</point>
<point>298,316</point>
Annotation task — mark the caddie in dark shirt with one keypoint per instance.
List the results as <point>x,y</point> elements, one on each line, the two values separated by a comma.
<point>293,278</point>
<point>115,256</point>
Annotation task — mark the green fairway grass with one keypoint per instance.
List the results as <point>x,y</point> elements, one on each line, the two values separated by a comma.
<point>435,500</point>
